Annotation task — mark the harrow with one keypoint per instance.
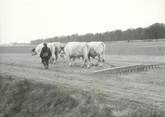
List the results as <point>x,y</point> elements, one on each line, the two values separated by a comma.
<point>130,69</point>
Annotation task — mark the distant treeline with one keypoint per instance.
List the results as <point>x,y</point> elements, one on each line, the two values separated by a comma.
<point>155,31</point>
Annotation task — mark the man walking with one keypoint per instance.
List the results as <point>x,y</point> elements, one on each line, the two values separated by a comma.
<point>45,55</point>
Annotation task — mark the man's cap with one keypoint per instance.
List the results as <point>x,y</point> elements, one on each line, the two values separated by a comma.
<point>44,44</point>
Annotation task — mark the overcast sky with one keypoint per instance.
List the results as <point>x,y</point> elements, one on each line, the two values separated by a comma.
<point>25,20</point>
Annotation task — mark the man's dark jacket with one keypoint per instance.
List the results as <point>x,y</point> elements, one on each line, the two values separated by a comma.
<point>45,53</point>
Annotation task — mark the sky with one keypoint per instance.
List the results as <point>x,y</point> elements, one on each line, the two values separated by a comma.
<point>26,20</point>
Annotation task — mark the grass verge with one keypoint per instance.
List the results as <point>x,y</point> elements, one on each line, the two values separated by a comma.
<point>24,98</point>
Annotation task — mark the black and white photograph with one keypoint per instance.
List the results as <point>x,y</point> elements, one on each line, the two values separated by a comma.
<point>82,58</point>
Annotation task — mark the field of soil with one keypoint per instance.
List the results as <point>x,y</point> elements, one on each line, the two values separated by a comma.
<point>139,94</point>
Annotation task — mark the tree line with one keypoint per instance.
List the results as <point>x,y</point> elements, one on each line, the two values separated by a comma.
<point>154,31</point>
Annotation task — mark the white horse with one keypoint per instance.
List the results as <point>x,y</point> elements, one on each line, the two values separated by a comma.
<point>38,48</point>
<point>55,48</point>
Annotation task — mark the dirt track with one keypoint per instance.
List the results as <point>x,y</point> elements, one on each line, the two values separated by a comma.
<point>120,92</point>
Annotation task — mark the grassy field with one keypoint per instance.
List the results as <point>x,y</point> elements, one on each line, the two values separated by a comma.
<point>136,48</point>
<point>29,90</point>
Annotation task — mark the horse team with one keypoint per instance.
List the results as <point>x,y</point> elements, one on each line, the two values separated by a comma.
<point>75,50</point>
